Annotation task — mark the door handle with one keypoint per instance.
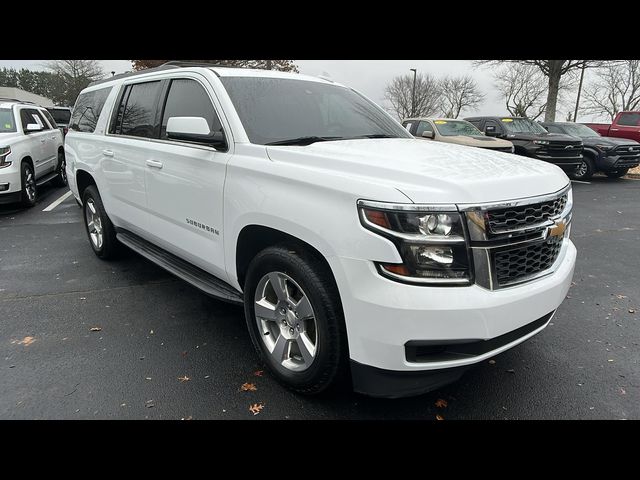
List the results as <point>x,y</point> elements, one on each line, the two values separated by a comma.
<point>615,129</point>
<point>107,153</point>
<point>42,140</point>
<point>53,138</point>
<point>154,164</point>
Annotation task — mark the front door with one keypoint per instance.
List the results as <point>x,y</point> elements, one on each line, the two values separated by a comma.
<point>185,181</point>
<point>37,140</point>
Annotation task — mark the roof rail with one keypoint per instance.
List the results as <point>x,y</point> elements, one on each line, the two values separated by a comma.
<point>164,66</point>
<point>7,99</point>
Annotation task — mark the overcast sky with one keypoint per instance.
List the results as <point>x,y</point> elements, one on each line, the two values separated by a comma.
<point>368,76</point>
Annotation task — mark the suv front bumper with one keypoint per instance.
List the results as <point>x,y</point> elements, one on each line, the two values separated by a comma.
<point>10,185</point>
<point>385,318</point>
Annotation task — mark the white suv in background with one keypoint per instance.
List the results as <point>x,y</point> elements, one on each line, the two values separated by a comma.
<point>350,243</point>
<point>31,152</point>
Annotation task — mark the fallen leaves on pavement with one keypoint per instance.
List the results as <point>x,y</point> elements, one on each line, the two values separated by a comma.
<point>258,373</point>
<point>631,310</point>
<point>620,297</point>
<point>184,379</point>
<point>439,417</point>
<point>248,387</point>
<point>256,408</point>
<point>511,370</point>
<point>149,404</point>
<point>95,329</point>
<point>441,403</point>
<point>26,341</point>
<point>492,362</point>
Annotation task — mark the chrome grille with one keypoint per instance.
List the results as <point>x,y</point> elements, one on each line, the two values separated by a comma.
<point>514,265</point>
<point>506,220</point>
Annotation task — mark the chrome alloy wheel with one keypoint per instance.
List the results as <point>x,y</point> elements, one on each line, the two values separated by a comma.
<point>94,224</point>
<point>286,321</point>
<point>30,185</point>
<point>581,171</point>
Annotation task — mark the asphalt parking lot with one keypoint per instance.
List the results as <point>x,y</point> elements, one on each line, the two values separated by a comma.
<point>82,338</point>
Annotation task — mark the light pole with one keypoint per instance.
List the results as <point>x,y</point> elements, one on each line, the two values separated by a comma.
<point>413,93</point>
<point>575,114</point>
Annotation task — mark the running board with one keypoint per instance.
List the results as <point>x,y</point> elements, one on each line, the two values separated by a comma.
<point>180,268</point>
<point>46,178</point>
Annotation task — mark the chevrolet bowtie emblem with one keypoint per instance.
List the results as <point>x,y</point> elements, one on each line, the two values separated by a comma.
<point>557,229</point>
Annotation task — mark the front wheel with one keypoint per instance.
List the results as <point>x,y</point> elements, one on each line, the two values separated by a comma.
<point>295,320</point>
<point>29,189</point>
<point>621,172</point>
<point>585,170</point>
<point>61,179</point>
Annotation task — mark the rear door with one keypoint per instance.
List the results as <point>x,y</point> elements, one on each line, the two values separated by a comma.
<point>627,126</point>
<point>185,180</point>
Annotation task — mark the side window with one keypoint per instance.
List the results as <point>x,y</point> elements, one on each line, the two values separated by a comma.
<point>48,116</point>
<point>492,123</point>
<point>553,128</point>
<point>408,126</point>
<point>87,110</point>
<point>423,127</point>
<point>29,115</point>
<point>187,98</point>
<point>630,119</point>
<point>476,123</point>
<point>137,110</point>
<point>40,119</point>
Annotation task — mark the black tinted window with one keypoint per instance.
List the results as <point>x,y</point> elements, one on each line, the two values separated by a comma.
<point>187,98</point>
<point>553,129</point>
<point>276,109</point>
<point>60,116</point>
<point>629,119</point>
<point>87,110</point>
<point>28,115</point>
<point>137,112</point>
<point>52,122</point>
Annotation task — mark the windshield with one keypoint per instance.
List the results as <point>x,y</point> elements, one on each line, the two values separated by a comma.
<point>60,116</point>
<point>578,130</point>
<point>449,128</point>
<point>279,110</point>
<point>7,124</point>
<point>522,125</point>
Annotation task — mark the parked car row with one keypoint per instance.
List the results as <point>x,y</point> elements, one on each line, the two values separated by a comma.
<point>576,148</point>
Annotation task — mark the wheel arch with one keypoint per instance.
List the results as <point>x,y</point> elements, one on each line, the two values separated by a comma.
<point>83,180</point>
<point>29,160</point>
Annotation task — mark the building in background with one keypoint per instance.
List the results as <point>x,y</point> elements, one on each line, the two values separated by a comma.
<point>17,94</point>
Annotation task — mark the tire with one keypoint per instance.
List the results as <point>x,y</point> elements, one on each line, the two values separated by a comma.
<point>61,179</point>
<point>29,188</point>
<point>304,274</point>
<point>100,230</point>
<point>585,170</point>
<point>621,172</point>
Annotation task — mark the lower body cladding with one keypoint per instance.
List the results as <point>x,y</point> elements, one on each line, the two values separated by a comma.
<point>614,162</point>
<point>406,339</point>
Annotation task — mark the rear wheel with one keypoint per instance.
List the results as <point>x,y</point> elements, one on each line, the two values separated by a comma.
<point>100,230</point>
<point>29,190</point>
<point>295,318</point>
<point>585,170</point>
<point>61,179</point>
<point>621,172</point>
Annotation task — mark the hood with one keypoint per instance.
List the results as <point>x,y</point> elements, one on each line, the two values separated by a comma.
<point>481,141</point>
<point>615,142</point>
<point>559,138</point>
<point>9,138</point>
<point>428,172</point>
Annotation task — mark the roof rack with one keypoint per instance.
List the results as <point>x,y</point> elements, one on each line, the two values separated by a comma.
<point>164,66</point>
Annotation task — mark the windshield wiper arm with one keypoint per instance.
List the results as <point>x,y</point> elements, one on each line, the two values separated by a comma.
<point>377,135</point>
<point>303,140</point>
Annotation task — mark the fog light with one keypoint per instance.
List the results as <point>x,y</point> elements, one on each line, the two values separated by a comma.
<point>436,224</point>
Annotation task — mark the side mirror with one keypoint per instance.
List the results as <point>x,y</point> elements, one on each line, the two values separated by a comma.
<point>194,129</point>
<point>428,134</point>
<point>490,131</point>
<point>33,127</point>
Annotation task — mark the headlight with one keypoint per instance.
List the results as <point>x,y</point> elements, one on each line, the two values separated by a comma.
<point>4,153</point>
<point>541,142</point>
<point>604,147</point>
<point>431,244</point>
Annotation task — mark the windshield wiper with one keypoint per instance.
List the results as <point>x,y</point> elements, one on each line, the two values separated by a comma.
<point>378,135</point>
<point>303,140</point>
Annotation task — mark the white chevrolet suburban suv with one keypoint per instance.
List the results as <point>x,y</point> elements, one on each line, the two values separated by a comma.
<point>354,247</point>
<point>31,151</point>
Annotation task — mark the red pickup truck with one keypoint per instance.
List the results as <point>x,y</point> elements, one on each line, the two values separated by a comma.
<point>625,125</point>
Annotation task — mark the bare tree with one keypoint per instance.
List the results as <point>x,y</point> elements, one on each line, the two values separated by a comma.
<point>616,89</point>
<point>523,88</point>
<point>282,65</point>
<point>399,93</point>
<point>458,93</point>
<point>76,75</point>
<point>554,70</point>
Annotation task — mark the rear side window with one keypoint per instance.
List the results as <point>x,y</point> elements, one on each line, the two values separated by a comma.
<point>187,98</point>
<point>553,129</point>
<point>48,116</point>
<point>29,115</point>
<point>87,110</point>
<point>60,115</point>
<point>136,115</point>
<point>629,119</point>
<point>7,124</point>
